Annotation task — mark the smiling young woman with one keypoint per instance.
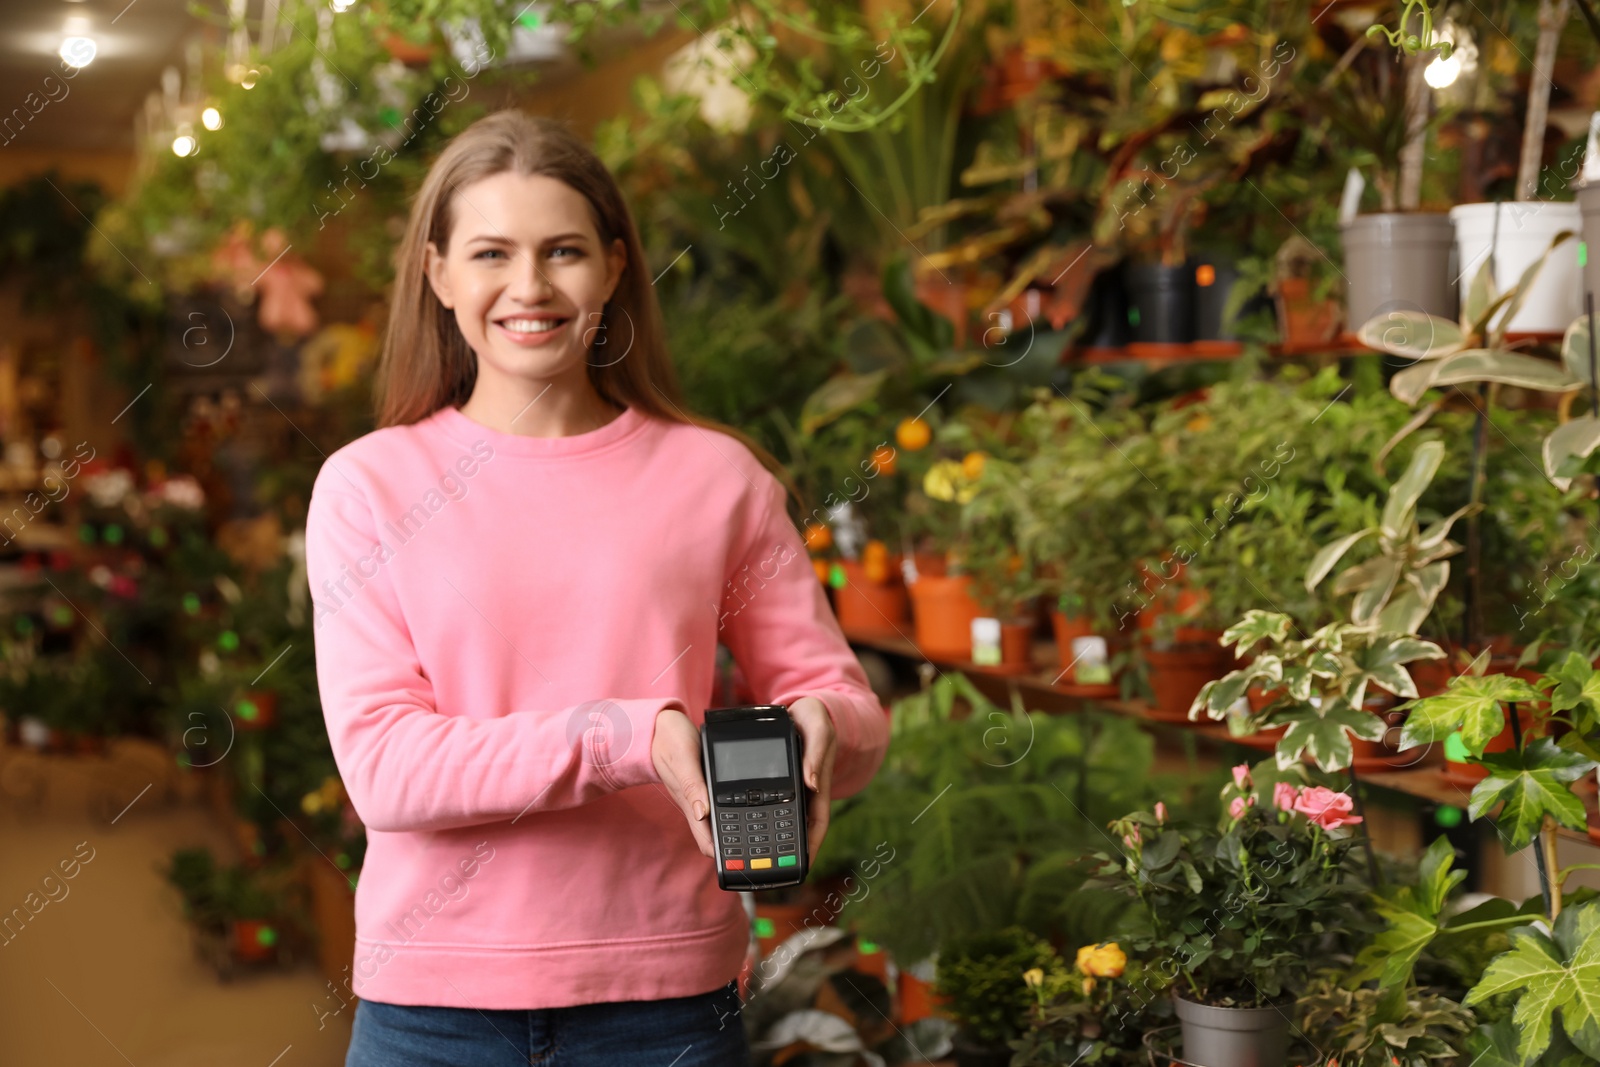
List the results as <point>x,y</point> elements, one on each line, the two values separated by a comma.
<point>527,668</point>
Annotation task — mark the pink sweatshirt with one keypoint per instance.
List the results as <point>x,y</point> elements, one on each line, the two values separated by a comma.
<point>498,620</point>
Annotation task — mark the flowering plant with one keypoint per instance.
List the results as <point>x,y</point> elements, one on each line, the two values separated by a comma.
<point>1088,1013</point>
<point>1237,914</point>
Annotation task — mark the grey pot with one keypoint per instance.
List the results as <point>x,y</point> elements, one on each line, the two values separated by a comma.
<point>1398,262</point>
<point>1233,1037</point>
<point>1589,204</point>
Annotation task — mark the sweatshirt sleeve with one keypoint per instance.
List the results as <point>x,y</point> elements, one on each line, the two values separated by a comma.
<point>406,765</point>
<point>780,629</point>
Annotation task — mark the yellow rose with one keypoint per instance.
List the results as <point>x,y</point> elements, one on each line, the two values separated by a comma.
<point>1033,977</point>
<point>1102,961</point>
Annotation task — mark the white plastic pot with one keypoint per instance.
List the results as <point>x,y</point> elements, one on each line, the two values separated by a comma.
<point>1589,204</point>
<point>1525,232</point>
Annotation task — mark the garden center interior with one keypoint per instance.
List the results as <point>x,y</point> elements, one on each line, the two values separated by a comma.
<point>1191,419</point>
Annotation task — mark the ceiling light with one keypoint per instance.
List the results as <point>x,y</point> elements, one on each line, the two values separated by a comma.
<point>77,51</point>
<point>211,118</point>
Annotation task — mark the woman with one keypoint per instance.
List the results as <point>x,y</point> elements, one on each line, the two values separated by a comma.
<point>521,579</point>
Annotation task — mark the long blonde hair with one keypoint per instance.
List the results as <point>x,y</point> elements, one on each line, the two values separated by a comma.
<point>426,363</point>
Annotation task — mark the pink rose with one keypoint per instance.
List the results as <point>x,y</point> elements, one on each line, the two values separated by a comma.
<point>1326,808</point>
<point>1284,796</point>
<point>1131,838</point>
<point>1237,808</point>
<point>1161,812</point>
<point>1241,775</point>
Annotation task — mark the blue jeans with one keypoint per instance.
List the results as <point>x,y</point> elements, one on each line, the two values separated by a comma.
<point>698,1031</point>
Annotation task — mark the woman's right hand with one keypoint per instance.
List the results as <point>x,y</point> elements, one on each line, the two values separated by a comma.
<point>675,751</point>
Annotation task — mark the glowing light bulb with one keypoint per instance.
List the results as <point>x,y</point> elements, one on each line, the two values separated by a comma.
<point>211,118</point>
<point>1442,72</point>
<point>78,51</point>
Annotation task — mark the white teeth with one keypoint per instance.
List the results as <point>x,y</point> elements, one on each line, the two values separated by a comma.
<point>530,325</point>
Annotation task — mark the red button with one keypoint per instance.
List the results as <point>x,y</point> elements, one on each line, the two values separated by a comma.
<point>733,865</point>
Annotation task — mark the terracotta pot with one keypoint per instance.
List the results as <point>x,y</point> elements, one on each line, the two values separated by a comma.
<point>1068,630</point>
<point>1178,674</point>
<point>1174,597</point>
<point>1016,643</point>
<point>871,607</point>
<point>1259,698</point>
<point>254,940</point>
<point>1303,322</point>
<point>943,610</point>
<point>407,52</point>
<point>917,998</point>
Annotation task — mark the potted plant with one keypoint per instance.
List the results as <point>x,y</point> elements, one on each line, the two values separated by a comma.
<point>1235,915</point>
<point>1398,257</point>
<point>1090,1013</point>
<point>1080,519</point>
<point>984,980</point>
<point>1323,681</point>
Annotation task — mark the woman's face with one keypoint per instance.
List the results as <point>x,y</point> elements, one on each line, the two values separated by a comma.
<point>525,274</point>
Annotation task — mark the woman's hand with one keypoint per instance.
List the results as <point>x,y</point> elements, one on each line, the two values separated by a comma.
<point>811,718</point>
<point>676,754</point>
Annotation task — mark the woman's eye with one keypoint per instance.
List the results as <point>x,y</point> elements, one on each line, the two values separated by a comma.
<point>567,248</point>
<point>488,252</point>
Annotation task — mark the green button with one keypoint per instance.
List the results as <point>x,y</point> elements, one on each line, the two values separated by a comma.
<point>786,861</point>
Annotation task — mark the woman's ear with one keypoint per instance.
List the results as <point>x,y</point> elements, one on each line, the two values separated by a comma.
<point>438,278</point>
<point>616,261</point>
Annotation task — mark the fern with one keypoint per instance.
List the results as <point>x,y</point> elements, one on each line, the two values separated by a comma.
<point>989,815</point>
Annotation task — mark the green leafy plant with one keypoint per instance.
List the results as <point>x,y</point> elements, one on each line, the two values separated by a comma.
<point>1321,682</point>
<point>1384,1027</point>
<point>982,975</point>
<point>989,812</point>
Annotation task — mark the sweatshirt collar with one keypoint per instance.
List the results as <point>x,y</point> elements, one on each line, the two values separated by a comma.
<point>464,430</point>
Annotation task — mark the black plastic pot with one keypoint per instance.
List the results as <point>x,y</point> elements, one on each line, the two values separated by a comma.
<point>1214,280</point>
<point>1160,303</point>
<point>1106,306</point>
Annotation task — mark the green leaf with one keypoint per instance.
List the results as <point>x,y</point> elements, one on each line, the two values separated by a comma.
<point>1531,783</point>
<point>837,395</point>
<point>1400,509</point>
<point>1480,294</point>
<point>1576,439</point>
<point>1575,348</point>
<point>1379,585</point>
<point>923,325</point>
<point>1330,554</point>
<point>1324,734</point>
<point>1413,334</point>
<point>1519,292</point>
<point>1471,705</point>
<point>1551,977</point>
<point>1577,683</point>
<point>1257,625</point>
<point>1413,914</point>
<point>1482,365</point>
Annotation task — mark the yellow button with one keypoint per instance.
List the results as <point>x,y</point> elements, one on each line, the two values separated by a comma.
<point>760,865</point>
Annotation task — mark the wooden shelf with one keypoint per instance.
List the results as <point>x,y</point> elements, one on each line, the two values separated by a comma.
<point>1038,687</point>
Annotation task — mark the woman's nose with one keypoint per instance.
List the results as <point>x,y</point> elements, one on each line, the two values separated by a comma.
<point>530,284</point>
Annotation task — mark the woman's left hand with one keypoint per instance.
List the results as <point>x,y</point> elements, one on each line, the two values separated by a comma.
<point>811,718</point>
